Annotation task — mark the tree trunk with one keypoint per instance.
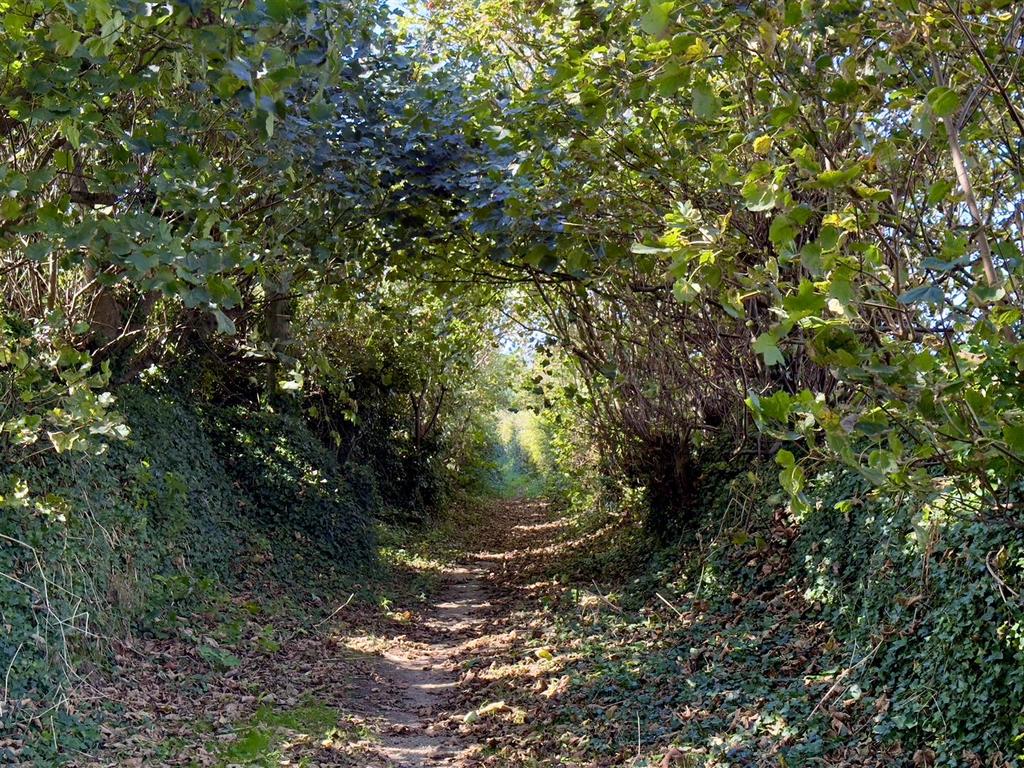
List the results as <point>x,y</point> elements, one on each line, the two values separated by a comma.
<point>669,475</point>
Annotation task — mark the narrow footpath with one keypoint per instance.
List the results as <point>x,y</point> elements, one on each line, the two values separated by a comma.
<point>423,678</point>
<point>396,686</point>
<point>418,676</point>
<point>524,649</point>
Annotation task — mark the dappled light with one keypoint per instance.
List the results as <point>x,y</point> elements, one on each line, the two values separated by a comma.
<point>512,383</point>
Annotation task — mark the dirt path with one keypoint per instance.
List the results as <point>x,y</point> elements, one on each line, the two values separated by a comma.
<point>423,679</point>
<point>390,687</point>
<point>525,654</point>
<point>421,674</point>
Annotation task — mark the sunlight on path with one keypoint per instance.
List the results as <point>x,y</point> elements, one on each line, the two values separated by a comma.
<point>362,689</point>
<point>417,675</point>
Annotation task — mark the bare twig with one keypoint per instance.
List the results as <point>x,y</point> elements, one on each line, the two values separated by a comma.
<point>336,611</point>
<point>842,676</point>
<point>666,602</point>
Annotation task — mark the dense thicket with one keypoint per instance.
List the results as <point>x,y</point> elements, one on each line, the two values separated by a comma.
<point>785,229</point>
<point>810,207</point>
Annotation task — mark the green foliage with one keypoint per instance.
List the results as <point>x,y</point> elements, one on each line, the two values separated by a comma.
<point>182,183</point>
<point>898,614</point>
<point>903,585</point>
<point>137,536</point>
<point>522,455</point>
<point>259,739</point>
<point>52,395</point>
<point>293,481</point>
<point>824,193</point>
<point>800,220</point>
<point>934,589</point>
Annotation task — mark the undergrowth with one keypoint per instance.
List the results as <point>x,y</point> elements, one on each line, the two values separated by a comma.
<point>868,631</point>
<point>161,525</point>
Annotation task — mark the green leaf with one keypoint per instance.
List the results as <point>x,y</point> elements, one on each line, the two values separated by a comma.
<point>143,262</point>
<point>99,9</point>
<point>1013,436</point>
<point>782,231</point>
<point>63,442</point>
<point>792,478</point>
<point>876,194</point>
<point>838,178</point>
<point>923,294</point>
<point>938,192</point>
<point>240,69</point>
<point>805,160</point>
<point>224,323</point>
<point>685,291</point>
<point>785,458</point>
<point>697,50</point>
<point>641,248</point>
<point>930,262</point>
<point>943,101</point>
<point>655,20</point>
<point>705,101</point>
<point>776,406</point>
<point>873,423</point>
<point>1005,316</point>
<point>38,250</point>
<point>767,346</point>
<point>983,293</point>
<point>759,196</point>
<point>9,209</point>
<point>283,10</point>
<point>320,110</point>
<point>218,657</point>
<point>805,300</point>
<point>793,13</point>
<point>65,38</point>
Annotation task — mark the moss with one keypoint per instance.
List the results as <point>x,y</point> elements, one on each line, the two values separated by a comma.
<point>311,718</point>
<point>264,737</point>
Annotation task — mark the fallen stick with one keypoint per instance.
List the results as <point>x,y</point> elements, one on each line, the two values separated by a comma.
<point>336,611</point>
<point>841,677</point>
<point>666,602</point>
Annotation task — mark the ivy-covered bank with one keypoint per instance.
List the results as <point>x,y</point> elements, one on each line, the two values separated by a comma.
<point>873,634</point>
<point>922,605</point>
<point>197,496</point>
